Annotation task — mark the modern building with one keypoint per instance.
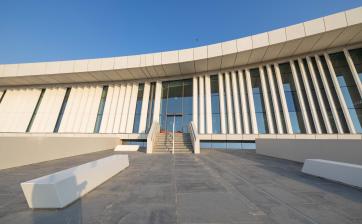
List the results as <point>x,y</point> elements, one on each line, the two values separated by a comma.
<point>301,82</point>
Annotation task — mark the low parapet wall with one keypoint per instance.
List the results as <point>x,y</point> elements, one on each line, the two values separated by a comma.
<point>336,148</point>
<point>19,150</point>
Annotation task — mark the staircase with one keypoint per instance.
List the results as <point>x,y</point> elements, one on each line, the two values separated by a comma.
<point>163,143</point>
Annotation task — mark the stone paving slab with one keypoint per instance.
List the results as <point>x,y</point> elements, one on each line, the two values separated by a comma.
<point>213,187</point>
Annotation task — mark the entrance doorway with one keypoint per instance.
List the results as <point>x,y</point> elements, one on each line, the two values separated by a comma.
<point>176,106</point>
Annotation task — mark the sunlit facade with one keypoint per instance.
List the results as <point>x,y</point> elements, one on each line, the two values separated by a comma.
<point>294,83</point>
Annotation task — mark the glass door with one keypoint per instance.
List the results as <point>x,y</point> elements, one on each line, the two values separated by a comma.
<point>176,105</point>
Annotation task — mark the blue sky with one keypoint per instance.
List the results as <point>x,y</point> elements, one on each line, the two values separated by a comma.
<point>47,30</point>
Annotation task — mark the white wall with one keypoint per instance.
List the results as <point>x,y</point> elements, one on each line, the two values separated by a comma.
<point>22,150</point>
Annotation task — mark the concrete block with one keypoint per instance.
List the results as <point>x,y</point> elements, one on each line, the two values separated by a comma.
<point>244,44</point>
<point>260,40</point>
<point>354,16</point>
<point>127,148</point>
<point>314,26</point>
<point>59,189</point>
<point>335,21</point>
<point>346,173</point>
<point>277,36</point>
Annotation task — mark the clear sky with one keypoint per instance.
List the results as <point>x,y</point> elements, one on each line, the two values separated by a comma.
<point>47,30</point>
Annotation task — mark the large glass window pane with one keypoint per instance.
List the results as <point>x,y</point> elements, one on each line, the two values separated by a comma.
<point>62,109</point>
<point>258,100</point>
<point>291,98</point>
<point>215,104</point>
<point>35,110</point>
<point>101,109</point>
<point>137,117</point>
<point>349,88</point>
<point>356,55</point>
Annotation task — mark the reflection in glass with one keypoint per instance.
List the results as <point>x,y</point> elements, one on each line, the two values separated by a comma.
<point>176,104</point>
<point>348,88</point>
<point>258,101</point>
<point>291,98</point>
<point>356,55</point>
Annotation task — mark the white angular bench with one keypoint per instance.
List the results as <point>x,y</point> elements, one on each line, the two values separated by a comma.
<point>346,173</point>
<point>127,148</point>
<point>59,189</point>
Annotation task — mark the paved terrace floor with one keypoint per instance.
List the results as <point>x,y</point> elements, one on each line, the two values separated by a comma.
<point>214,187</point>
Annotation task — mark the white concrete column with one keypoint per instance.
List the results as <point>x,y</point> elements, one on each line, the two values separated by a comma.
<point>80,113</point>
<point>87,109</point>
<point>329,94</point>
<point>132,108</point>
<point>274,99</point>
<point>208,104</point>
<point>201,106</point>
<point>282,99</point>
<point>69,109</point>
<point>107,108</point>
<point>254,123</point>
<point>266,101</point>
<point>125,108</point>
<point>222,103</point>
<point>195,96</point>
<point>353,71</point>
<point>236,102</point>
<point>144,108</point>
<point>157,105</point>
<point>119,110</point>
<point>229,104</point>
<point>94,109</point>
<point>300,97</point>
<point>309,94</point>
<point>340,95</point>
<point>320,102</point>
<point>113,109</point>
<point>245,113</point>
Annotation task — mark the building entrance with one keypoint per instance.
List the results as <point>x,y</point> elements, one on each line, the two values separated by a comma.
<point>176,106</point>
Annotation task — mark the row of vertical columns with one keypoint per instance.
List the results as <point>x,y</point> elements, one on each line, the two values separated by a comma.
<point>283,99</point>
<point>236,103</point>
<point>340,94</point>
<point>329,94</point>
<point>229,104</point>
<point>309,94</point>
<point>274,99</point>
<point>254,124</point>
<point>266,101</point>
<point>243,103</point>
<point>353,71</point>
<point>300,98</point>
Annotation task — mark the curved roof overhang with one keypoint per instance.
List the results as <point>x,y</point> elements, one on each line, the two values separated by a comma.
<point>336,30</point>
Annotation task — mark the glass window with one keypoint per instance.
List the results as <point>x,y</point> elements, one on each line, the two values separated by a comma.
<point>151,103</point>
<point>349,88</point>
<point>176,100</point>
<point>137,116</point>
<point>356,55</point>
<point>101,109</point>
<point>62,109</point>
<point>258,100</point>
<point>215,104</point>
<point>291,97</point>
<point>35,110</point>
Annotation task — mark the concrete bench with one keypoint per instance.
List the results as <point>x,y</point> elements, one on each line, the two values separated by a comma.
<point>127,148</point>
<point>346,173</point>
<point>59,189</point>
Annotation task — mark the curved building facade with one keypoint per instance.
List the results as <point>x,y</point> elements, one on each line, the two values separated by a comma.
<point>301,81</point>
